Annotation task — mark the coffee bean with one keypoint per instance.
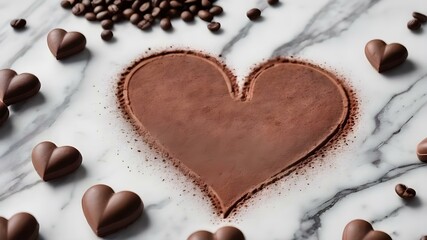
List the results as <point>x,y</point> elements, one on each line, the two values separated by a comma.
<point>192,1</point>
<point>148,17</point>
<point>172,13</point>
<point>117,18</point>
<point>144,25</point>
<point>97,2</point>
<point>66,4</point>
<point>194,9</point>
<point>18,23</point>
<point>273,2</point>
<point>113,9</point>
<point>107,35</point>
<point>78,9</point>
<point>164,5</point>
<point>214,26</point>
<point>107,24</point>
<point>103,15</point>
<point>414,24</point>
<point>165,24</point>
<point>90,16</point>
<point>156,12</point>
<point>87,3</point>
<point>187,16</point>
<point>216,10</point>
<point>128,12</point>
<point>253,14</point>
<point>135,18</point>
<point>136,5</point>
<point>205,15</point>
<point>421,17</point>
<point>405,192</point>
<point>206,3</point>
<point>145,7</point>
<point>98,9</point>
<point>175,4</point>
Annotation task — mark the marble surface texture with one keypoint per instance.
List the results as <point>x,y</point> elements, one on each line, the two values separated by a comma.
<point>77,106</point>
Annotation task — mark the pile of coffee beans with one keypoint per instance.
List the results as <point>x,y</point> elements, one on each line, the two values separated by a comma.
<point>418,19</point>
<point>144,13</point>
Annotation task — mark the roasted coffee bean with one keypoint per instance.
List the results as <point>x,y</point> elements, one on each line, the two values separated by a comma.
<point>145,7</point>
<point>194,9</point>
<point>136,5</point>
<point>175,4</point>
<point>90,16</point>
<point>206,3</point>
<point>148,17</point>
<point>18,23</point>
<point>205,15</point>
<point>214,26</point>
<point>113,9</point>
<point>97,2</point>
<point>253,14</point>
<point>103,15</point>
<point>165,24</point>
<point>107,35</point>
<point>156,12</point>
<point>144,25</point>
<point>421,17</point>
<point>128,12</point>
<point>192,1</point>
<point>273,2</point>
<point>215,10</point>
<point>414,24</point>
<point>117,18</point>
<point>172,13</point>
<point>187,16</point>
<point>78,9</point>
<point>164,5</point>
<point>135,18</point>
<point>66,4</point>
<point>107,24</point>
<point>98,9</point>
<point>405,192</point>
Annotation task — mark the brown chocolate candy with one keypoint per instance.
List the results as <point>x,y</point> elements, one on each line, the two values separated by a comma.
<point>64,44</point>
<point>15,88</point>
<point>4,113</point>
<point>405,192</point>
<point>107,211</point>
<point>253,14</point>
<point>362,230</point>
<point>21,226</point>
<point>422,150</point>
<point>384,56</point>
<point>52,162</point>
<point>224,233</point>
<point>421,17</point>
<point>414,24</point>
<point>18,23</point>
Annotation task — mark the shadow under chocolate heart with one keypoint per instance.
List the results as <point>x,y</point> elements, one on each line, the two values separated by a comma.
<point>233,142</point>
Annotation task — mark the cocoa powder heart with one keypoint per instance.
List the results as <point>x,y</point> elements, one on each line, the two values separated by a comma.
<point>188,106</point>
<point>17,87</point>
<point>21,226</point>
<point>362,230</point>
<point>384,56</point>
<point>107,211</point>
<point>63,44</point>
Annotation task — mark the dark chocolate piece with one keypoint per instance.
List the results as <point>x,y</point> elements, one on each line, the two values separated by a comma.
<point>52,162</point>
<point>362,230</point>
<point>214,26</point>
<point>405,192</point>
<point>21,226</point>
<point>15,88</point>
<point>224,233</point>
<point>253,14</point>
<point>422,150</point>
<point>421,17</point>
<point>384,56</point>
<point>414,24</point>
<point>4,113</point>
<point>18,23</point>
<point>107,35</point>
<point>64,44</point>
<point>212,133</point>
<point>108,212</point>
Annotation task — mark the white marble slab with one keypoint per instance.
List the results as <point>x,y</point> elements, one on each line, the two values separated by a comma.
<point>77,106</point>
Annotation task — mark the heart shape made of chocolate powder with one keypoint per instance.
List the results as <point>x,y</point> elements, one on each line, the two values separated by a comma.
<point>362,230</point>
<point>17,87</point>
<point>233,143</point>
<point>224,233</point>
<point>53,162</point>
<point>107,211</point>
<point>21,226</point>
<point>384,56</point>
<point>63,44</point>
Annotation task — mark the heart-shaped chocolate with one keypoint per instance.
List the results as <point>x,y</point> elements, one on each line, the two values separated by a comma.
<point>362,230</point>
<point>384,56</point>
<point>53,162</point>
<point>189,106</point>
<point>4,113</point>
<point>107,212</point>
<point>63,44</point>
<point>17,87</point>
<point>422,150</point>
<point>224,233</point>
<point>21,226</point>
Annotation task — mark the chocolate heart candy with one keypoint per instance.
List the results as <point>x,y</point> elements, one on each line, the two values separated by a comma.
<point>422,150</point>
<point>53,162</point>
<point>186,104</point>
<point>21,226</point>
<point>107,212</point>
<point>224,233</point>
<point>4,113</point>
<point>362,230</point>
<point>384,56</point>
<point>63,44</point>
<point>17,87</point>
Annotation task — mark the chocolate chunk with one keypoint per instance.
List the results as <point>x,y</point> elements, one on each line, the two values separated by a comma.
<point>253,14</point>
<point>107,24</point>
<point>421,17</point>
<point>205,15</point>
<point>107,35</point>
<point>273,2</point>
<point>52,162</point>
<point>21,226</point>
<point>4,113</point>
<point>165,24</point>
<point>384,56</point>
<point>15,88</point>
<point>215,10</point>
<point>405,192</point>
<point>360,229</point>
<point>224,233</point>
<point>422,150</point>
<point>414,24</point>
<point>63,44</point>
<point>78,9</point>
<point>18,23</point>
<point>214,26</point>
<point>108,212</point>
